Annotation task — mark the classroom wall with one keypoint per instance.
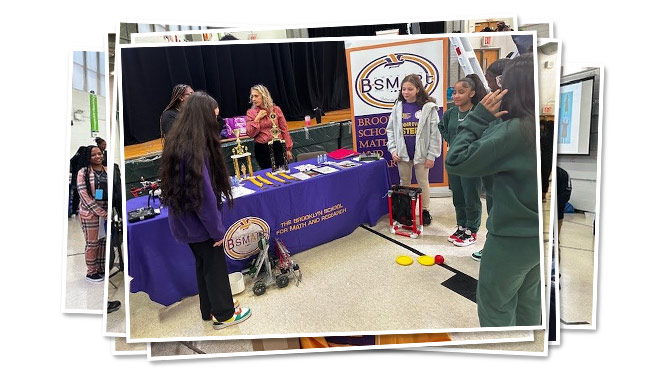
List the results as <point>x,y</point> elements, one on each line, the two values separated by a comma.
<point>470,25</point>
<point>542,29</point>
<point>503,42</point>
<point>80,131</point>
<point>547,78</point>
<point>582,169</point>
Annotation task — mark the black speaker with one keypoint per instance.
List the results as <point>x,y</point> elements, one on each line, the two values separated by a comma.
<point>318,113</point>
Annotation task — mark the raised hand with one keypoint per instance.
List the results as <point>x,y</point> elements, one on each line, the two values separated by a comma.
<point>493,101</point>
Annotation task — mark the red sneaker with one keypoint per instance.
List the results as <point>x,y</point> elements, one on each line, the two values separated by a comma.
<point>457,234</point>
<point>466,239</point>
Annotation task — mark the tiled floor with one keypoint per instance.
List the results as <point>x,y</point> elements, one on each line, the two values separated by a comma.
<point>116,322</point>
<point>121,345</point>
<point>537,345</point>
<point>577,244</point>
<point>349,285</point>
<point>80,295</point>
<point>207,346</point>
<point>232,346</point>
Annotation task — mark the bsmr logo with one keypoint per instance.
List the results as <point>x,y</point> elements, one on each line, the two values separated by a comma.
<point>241,239</point>
<point>378,83</point>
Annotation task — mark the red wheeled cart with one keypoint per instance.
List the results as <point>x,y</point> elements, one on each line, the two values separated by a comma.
<point>405,207</point>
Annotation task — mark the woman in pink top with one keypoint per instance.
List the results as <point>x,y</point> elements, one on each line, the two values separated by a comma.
<point>259,125</point>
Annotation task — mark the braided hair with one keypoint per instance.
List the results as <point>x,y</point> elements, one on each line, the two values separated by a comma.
<point>178,92</point>
<point>85,164</point>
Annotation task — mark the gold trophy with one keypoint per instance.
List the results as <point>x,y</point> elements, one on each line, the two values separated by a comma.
<point>276,138</point>
<point>241,159</point>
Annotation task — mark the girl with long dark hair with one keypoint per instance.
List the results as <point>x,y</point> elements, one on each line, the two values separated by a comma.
<point>493,75</point>
<point>508,289</point>
<point>413,139</point>
<point>194,179</point>
<point>466,191</point>
<point>91,181</point>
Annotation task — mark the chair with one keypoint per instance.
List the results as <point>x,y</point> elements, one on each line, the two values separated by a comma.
<point>308,155</point>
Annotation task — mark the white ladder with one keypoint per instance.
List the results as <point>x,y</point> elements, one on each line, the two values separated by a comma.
<point>467,58</point>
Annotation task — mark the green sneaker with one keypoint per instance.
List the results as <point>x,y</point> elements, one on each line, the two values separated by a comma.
<point>477,256</point>
<point>241,314</point>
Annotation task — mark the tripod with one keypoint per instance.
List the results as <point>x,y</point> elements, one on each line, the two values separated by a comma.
<point>116,245</point>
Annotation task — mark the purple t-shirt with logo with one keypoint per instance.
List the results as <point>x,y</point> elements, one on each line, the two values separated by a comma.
<point>410,116</point>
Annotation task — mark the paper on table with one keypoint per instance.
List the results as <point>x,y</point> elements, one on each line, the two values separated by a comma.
<point>346,164</point>
<point>325,170</point>
<point>305,167</point>
<point>241,191</point>
<point>301,176</point>
<point>102,228</point>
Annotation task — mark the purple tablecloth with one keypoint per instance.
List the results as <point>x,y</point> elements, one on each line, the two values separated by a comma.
<point>165,269</point>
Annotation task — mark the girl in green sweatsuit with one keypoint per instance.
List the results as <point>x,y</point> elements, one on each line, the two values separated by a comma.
<point>465,190</point>
<point>509,287</point>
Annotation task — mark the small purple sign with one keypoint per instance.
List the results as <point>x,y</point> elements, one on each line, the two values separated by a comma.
<point>236,123</point>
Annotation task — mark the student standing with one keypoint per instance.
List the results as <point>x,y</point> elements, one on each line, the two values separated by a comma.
<point>493,77</point>
<point>92,183</point>
<point>413,138</point>
<point>466,191</point>
<point>179,96</point>
<point>508,290</point>
<point>194,178</point>
<point>259,126</point>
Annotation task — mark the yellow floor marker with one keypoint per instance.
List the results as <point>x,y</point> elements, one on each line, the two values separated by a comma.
<point>404,260</point>
<point>425,260</point>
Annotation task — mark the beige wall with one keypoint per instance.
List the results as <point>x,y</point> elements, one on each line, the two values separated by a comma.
<point>80,131</point>
<point>470,25</point>
<point>502,42</point>
<point>547,78</point>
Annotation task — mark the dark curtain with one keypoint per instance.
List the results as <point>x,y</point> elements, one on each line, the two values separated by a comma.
<point>432,27</point>
<point>300,77</point>
<point>365,30</point>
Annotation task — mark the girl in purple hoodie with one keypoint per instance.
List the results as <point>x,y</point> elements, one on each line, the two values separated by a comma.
<point>194,177</point>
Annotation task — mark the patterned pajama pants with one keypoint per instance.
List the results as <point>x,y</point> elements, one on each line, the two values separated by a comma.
<point>95,249</point>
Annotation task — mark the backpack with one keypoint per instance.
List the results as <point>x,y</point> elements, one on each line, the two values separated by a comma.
<point>564,189</point>
<point>402,203</point>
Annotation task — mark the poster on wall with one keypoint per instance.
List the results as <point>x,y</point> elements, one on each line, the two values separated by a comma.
<point>574,117</point>
<point>375,75</point>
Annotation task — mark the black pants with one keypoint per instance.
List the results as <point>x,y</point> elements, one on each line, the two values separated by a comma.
<point>262,152</point>
<point>214,288</point>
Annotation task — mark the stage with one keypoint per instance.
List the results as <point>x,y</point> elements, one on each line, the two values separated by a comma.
<point>154,146</point>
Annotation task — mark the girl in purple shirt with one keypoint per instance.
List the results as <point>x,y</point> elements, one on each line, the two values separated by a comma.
<point>194,177</point>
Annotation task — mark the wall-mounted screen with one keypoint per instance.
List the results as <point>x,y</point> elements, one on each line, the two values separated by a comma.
<point>576,103</point>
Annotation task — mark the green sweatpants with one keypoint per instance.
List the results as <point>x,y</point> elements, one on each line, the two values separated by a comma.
<point>508,289</point>
<point>466,198</point>
<point>487,182</point>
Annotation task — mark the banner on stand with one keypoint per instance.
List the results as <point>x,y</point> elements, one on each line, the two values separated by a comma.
<point>94,117</point>
<point>375,75</point>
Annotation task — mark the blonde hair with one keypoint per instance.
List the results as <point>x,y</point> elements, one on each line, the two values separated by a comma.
<point>267,98</point>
